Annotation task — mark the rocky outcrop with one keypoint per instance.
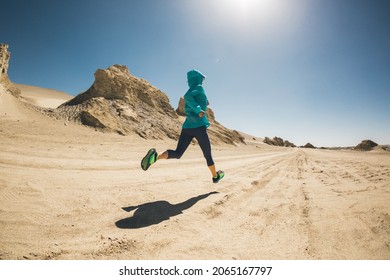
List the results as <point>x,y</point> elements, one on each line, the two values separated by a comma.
<point>366,145</point>
<point>277,141</point>
<point>4,59</point>
<point>119,102</point>
<point>309,146</point>
<point>181,111</point>
<point>217,132</point>
<point>180,107</point>
<point>7,85</point>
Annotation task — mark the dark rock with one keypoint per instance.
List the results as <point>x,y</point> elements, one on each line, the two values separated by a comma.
<point>366,145</point>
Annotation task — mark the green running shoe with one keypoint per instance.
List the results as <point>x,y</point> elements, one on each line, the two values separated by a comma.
<point>220,175</point>
<point>149,159</point>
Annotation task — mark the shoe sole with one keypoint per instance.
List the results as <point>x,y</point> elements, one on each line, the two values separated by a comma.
<point>145,163</point>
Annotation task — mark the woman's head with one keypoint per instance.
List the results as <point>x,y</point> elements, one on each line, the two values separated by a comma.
<point>194,78</point>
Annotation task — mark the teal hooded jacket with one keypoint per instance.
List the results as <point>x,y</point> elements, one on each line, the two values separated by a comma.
<point>195,101</point>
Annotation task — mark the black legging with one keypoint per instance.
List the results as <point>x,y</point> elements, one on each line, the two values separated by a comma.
<point>186,136</point>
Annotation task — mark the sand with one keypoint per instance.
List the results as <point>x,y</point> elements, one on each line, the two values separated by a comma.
<point>42,97</point>
<point>70,192</point>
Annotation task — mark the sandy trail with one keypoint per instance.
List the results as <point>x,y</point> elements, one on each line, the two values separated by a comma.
<point>68,192</point>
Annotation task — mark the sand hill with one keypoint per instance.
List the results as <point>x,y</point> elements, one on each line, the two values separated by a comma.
<point>42,97</point>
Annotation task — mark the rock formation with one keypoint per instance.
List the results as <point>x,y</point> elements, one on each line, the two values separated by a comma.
<point>277,141</point>
<point>4,63</point>
<point>309,146</point>
<point>217,132</point>
<point>122,103</point>
<point>4,59</point>
<point>181,111</point>
<point>366,145</point>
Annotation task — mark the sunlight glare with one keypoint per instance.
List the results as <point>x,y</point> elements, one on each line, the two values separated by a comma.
<point>245,12</point>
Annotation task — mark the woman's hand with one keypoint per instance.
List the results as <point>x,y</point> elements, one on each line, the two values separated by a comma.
<point>201,114</point>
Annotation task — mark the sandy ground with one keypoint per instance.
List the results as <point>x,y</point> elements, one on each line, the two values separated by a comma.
<point>69,192</point>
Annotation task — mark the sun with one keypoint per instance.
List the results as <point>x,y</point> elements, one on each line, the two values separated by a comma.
<point>246,6</point>
<point>250,11</point>
<point>241,17</point>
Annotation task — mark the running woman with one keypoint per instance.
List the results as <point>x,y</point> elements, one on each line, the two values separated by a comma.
<point>195,126</point>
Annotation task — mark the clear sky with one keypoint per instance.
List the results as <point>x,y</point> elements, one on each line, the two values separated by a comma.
<point>313,71</point>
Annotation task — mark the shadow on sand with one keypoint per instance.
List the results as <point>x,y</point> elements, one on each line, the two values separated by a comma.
<point>152,213</point>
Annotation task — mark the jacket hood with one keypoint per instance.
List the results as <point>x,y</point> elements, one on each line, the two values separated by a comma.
<point>194,78</point>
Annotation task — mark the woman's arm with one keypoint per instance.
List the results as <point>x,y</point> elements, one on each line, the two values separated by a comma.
<point>190,102</point>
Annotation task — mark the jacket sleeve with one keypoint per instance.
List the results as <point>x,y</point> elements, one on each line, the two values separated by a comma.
<point>190,102</point>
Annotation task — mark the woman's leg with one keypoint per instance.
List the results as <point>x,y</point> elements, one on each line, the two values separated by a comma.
<point>163,155</point>
<point>182,145</point>
<point>212,170</point>
<point>204,142</point>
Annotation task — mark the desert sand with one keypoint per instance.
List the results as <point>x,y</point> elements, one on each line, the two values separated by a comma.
<point>70,192</point>
<point>42,97</point>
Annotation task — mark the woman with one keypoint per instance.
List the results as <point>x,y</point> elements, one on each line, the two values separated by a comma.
<point>195,126</point>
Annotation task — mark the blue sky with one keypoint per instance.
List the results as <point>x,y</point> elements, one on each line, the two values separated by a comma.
<point>313,71</point>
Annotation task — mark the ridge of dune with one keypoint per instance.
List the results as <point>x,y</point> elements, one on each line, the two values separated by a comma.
<point>43,97</point>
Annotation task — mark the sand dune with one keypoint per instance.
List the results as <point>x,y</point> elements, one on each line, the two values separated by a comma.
<point>69,192</point>
<point>47,98</point>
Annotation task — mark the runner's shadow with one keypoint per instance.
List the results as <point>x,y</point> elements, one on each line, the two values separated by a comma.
<point>153,213</point>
